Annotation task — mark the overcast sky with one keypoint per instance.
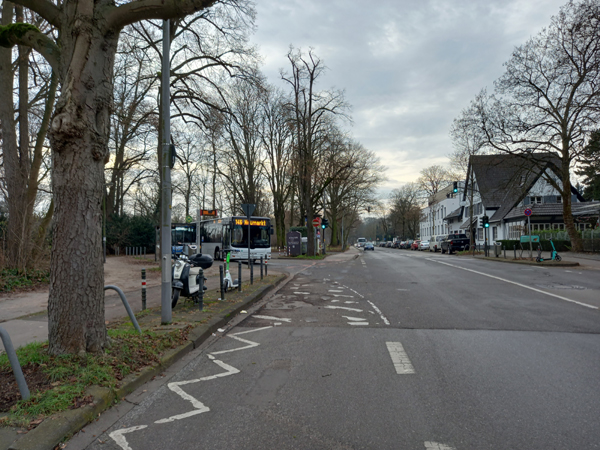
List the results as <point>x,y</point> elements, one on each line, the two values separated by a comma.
<point>408,67</point>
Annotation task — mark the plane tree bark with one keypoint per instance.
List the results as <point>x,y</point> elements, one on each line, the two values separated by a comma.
<point>83,59</point>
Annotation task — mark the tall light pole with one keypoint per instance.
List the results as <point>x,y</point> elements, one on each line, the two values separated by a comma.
<point>165,214</point>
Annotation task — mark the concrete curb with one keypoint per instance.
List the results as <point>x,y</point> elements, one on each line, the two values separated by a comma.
<point>530,263</point>
<point>55,429</point>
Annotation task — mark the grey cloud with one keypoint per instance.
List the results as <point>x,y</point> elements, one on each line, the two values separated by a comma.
<point>408,67</point>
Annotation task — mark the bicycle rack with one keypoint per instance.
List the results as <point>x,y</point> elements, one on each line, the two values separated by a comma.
<point>126,304</point>
<point>14,363</point>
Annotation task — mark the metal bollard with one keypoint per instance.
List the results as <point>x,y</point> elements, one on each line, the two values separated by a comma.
<point>201,290</point>
<point>239,276</point>
<point>266,268</point>
<point>504,250</point>
<point>261,267</point>
<point>515,249</point>
<point>143,289</point>
<point>221,282</point>
<point>251,264</point>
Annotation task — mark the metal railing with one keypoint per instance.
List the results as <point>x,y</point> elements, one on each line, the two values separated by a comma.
<point>14,363</point>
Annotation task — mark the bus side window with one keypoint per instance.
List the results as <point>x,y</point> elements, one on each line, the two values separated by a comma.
<point>226,233</point>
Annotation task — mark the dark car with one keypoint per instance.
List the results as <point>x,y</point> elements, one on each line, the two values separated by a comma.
<point>369,246</point>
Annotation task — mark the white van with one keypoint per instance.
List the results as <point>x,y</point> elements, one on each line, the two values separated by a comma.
<point>360,242</point>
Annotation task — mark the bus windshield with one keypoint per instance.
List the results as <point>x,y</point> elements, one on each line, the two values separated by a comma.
<point>183,234</point>
<point>259,236</point>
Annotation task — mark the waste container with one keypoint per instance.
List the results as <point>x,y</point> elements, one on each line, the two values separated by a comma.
<point>497,249</point>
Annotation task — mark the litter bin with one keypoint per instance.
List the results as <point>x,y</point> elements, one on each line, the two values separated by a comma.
<point>497,249</point>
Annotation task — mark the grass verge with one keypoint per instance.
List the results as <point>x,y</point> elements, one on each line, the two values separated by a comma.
<point>58,383</point>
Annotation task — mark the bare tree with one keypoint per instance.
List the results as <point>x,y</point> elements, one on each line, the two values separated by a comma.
<point>468,140</point>
<point>83,58</point>
<point>312,110</point>
<point>24,144</point>
<point>133,123</point>
<point>432,179</point>
<point>276,137</point>
<point>549,97</point>
<point>352,174</point>
<point>243,164</point>
<point>405,211</point>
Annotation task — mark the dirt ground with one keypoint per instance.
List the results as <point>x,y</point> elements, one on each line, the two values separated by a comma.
<point>122,271</point>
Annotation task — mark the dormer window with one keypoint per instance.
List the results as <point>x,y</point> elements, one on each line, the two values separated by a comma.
<point>536,200</point>
<point>558,199</point>
<point>523,178</point>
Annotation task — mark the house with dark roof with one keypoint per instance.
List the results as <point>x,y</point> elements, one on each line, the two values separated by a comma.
<point>504,186</point>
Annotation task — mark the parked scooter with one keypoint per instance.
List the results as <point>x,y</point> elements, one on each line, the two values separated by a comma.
<point>185,276</point>
<point>554,256</point>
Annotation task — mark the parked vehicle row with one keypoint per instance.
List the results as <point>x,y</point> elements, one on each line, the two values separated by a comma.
<point>443,243</point>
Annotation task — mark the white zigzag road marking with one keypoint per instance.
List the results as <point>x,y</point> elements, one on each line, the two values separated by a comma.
<point>200,407</point>
<point>118,437</point>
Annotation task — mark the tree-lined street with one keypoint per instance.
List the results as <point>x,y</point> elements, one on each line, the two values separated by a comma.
<point>392,349</point>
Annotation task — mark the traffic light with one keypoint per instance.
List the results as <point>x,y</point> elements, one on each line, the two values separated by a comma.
<point>324,223</point>
<point>485,220</point>
<point>455,187</point>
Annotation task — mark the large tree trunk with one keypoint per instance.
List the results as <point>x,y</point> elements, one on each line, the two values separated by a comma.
<point>79,139</point>
<point>576,241</point>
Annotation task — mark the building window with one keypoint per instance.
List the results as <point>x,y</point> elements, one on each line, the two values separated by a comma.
<point>536,200</point>
<point>495,233</point>
<point>558,199</point>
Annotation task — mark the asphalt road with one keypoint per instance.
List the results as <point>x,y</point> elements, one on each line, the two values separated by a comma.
<point>392,350</point>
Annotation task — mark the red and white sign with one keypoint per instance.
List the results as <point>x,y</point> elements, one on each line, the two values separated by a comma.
<point>316,222</point>
<point>528,212</point>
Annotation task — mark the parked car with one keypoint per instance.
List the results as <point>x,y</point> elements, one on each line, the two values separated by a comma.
<point>396,244</point>
<point>369,246</point>
<point>408,244</point>
<point>455,242</point>
<point>423,245</point>
<point>415,245</point>
<point>435,243</point>
<point>382,244</point>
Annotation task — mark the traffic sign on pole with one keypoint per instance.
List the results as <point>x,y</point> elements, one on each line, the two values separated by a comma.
<point>316,222</point>
<point>528,212</point>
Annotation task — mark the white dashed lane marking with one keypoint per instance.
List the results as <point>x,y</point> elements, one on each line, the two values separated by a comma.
<point>437,446</point>
<point>400,359</point>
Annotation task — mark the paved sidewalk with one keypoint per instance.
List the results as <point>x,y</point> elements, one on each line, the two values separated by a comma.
<point>24,315</point>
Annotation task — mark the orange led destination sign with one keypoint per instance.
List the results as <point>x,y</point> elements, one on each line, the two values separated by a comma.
<point>258,223</point>
<point>208,212</point>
